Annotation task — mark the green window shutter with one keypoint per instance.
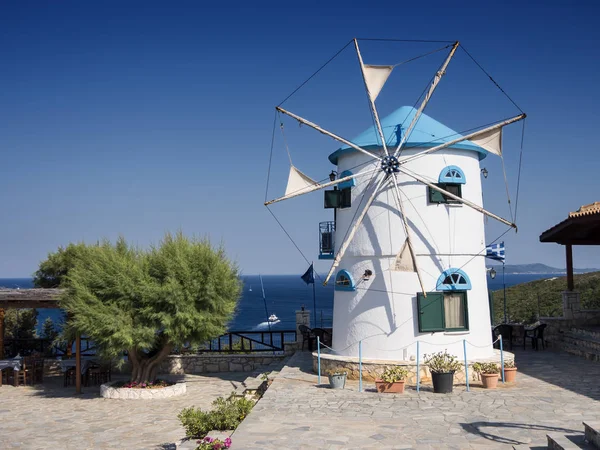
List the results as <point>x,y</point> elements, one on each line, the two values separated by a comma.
<point>431,312</point>
<point>436,196</point>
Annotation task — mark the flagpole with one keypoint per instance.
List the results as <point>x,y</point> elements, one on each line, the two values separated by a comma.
<point>504,285</point>
<point>314,295</point>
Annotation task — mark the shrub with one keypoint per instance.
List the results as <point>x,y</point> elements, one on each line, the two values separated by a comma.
<point>509,364</point>
<point>485,368</point>
<point>442,362</point>
<point>393,374</point>
<point>225,415</point>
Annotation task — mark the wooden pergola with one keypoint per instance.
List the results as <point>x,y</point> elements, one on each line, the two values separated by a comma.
<point>36,298</point>
<point>582,227</point>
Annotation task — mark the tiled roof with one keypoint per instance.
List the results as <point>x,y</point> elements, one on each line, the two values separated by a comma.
<point>586,210</point>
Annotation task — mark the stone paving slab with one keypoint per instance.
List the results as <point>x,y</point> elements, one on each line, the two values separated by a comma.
<point>53,417</point>
<point>554,393</point>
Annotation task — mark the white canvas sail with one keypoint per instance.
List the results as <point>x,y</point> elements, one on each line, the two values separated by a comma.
<point>490,141</point>
<point>404,260</point>
<point>375,78</point>
<point>298,182</point>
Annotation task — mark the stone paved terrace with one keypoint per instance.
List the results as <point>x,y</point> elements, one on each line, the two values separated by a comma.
<point>554,392</point>
<point>53,417</point>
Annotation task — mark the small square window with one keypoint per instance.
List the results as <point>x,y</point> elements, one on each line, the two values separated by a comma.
<point>346,200</point>
<point>443,311</point>
<point>439,197</point>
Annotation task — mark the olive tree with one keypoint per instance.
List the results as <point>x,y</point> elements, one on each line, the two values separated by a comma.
<point>146,302</point>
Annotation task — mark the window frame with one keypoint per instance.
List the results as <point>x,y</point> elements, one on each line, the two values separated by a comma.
<point>441,286</point>
<point>434,195</point>
<point>444,178</point>
<point>340,287</point>
<point>441,295</point>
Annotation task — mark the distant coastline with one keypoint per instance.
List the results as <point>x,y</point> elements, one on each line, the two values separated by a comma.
<point>536,269</point>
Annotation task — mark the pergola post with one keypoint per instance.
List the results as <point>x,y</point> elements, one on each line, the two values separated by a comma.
<point>1,333</point>
<point>570,283</point>
<point>78,364</point>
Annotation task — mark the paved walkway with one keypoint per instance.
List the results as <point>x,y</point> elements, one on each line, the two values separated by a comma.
<point>52,417</point>
<point>554,392</point>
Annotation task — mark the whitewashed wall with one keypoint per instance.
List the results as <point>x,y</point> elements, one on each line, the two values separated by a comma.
<point>444,236</point>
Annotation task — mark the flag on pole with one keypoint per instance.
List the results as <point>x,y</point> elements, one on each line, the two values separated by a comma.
<point>309,276</point>
<point>495,251</point>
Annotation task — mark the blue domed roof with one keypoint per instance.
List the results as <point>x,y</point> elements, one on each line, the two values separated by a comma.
<point>427,133</point>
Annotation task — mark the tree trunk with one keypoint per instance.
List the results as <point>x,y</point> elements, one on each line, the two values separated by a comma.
<point>143,368</point>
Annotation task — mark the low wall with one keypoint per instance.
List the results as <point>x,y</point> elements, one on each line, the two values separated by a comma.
<point>557,326</point>
<point>212,363</point>
<point>373,368</point>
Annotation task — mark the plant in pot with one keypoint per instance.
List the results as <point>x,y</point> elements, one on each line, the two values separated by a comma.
<point>392,380</point>
<point>488,373</point>
<point>510,371</point>
<point>442,366</point>
<point>337,378</point>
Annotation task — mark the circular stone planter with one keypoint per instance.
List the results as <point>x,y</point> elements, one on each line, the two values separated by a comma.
<point>107,391</point>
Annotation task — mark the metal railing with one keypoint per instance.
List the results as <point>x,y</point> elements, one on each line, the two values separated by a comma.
<point>248,342</point>
<point>27,346</point>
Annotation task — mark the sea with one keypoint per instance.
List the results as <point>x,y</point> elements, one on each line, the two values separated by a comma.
<point>281,295</point>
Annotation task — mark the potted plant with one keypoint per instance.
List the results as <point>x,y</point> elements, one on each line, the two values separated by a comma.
<point>392,380</point>
<point>337,378</point>
<point>488,373</point>
<point>510,371</point>
<point>442,366</point>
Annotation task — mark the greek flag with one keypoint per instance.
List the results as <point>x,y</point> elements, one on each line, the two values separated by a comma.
<point>495,251</point>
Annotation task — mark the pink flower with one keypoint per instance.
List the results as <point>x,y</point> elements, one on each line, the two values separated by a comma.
<point>227,442</point>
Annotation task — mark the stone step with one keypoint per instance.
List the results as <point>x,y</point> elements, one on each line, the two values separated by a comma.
<point>589,354</point>
<point>558,441</point>
<point>583,342</point>
<point>576,335</point>
<point>592,435</point>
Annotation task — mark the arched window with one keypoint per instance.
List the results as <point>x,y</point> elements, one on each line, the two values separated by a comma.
<point>451,178</point>
<point>453,175</point>
<point>347,184</point>
<point>344,281</point>
<point>453,280</point>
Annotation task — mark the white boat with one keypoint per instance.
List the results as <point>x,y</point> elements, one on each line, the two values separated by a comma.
<point>250,290</point>
<point>273,318</point>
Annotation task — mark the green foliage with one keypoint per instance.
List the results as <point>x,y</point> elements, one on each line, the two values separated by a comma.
<point>334,372</point>
<point>509,364</point>
<point>486,367</point>
<point>226,414</point>
<point>526,301</point>
<point>442,362</point>
<point>147,302</point>
<point>394,373</point>
<point>49,331</point>
<point>20,323</point>
<point>53,271</point>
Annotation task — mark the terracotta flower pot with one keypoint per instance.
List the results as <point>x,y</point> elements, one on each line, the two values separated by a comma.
<point>510,373</point>
<point>489,380</point>
<point>397,387</point>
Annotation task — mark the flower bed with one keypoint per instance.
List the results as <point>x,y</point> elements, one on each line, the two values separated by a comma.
<point>209,443</point>
<point>157,384</point>
<point>129,391</point>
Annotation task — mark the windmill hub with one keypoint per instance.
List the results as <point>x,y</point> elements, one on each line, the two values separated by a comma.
<point>390,164</point>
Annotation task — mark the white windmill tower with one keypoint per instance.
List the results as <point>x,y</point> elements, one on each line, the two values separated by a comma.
<point>409,241</point>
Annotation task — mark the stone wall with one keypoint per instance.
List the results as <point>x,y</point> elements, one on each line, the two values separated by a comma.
<point>372,369</point>
<point>558,326</point>
<point>212,363</point>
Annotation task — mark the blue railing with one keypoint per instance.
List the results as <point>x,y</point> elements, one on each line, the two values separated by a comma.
<point>327,240</point>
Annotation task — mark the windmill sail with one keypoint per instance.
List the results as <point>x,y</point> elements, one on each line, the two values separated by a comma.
<point>490,141</point>
<point>375,78</point>
<point>404,260</point>
<point>298,182</point>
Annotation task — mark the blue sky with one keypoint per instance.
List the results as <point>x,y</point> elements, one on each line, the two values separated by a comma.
<point>141,118</point>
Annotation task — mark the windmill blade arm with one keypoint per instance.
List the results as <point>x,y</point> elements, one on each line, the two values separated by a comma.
<point>464,138</point>
<point>396,189</point>
<point>436,79</point>
<point>316,187</point>
<point>371,99</point>
<point>353,230</point>
<point>458,199</point>
<point>327,133</point>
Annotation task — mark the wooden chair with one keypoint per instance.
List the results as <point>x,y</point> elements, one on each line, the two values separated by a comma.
<point>69,376</point>
<point>537,334</point>
<point>99,374</point>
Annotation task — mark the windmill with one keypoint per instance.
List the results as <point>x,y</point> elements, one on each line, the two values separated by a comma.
<point>389,162</point>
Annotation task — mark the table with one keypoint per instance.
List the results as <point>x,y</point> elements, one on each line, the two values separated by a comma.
<point>14,364</point>
<point>66,364</point>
